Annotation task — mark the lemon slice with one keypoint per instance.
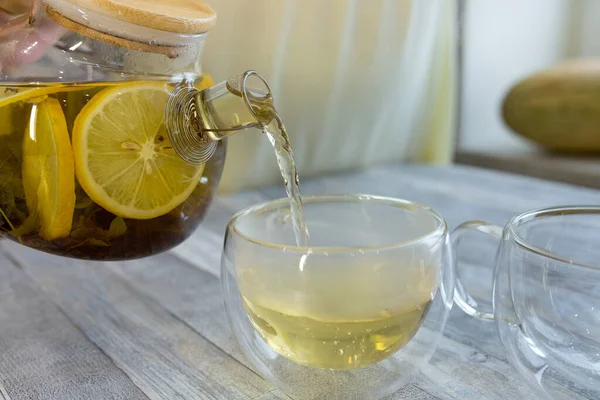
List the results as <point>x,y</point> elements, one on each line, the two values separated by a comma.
<point>123,158</point>
<point>10,95</point>
<point>48,170</point>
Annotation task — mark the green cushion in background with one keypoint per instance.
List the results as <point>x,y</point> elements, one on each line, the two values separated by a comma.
<point>559,108</point>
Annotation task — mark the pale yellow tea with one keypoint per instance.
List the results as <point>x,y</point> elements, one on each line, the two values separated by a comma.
<point>335,343</point>
<point>328,309</point>
<point>87,170</point>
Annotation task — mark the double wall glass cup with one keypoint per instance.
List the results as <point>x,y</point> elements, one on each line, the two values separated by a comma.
<point>545,297</point>
<point>352,316</point>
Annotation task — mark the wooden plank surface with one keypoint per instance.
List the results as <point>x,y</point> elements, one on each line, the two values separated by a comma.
<point>155,328</point>
<point>161,354</point>
<point>43,355</point>
<point>193,295</point>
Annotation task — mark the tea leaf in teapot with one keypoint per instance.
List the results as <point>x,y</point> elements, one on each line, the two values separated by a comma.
<point>7,196</point>
<point>84,222</point>
<point>30,225</point>
<point>10,188</point>
<point>7,205</point>
<point>83,203</point>
<point>95,242</point>
<point>6,220</point>
<point>84,233</point>
<point>118,227</point>
<point>87,228</point>
<point>10,152</point>
<point>10,164</point>
<point>90,242</point>
<point>6,117</point>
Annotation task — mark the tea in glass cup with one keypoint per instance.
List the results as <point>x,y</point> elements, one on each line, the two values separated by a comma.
<point>352,316</point>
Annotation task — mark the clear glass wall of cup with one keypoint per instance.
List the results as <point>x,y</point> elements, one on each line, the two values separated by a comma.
<point>355,315</point>
<point>546,296</point>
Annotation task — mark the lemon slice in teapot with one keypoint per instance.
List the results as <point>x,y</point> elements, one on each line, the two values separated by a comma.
<point>48,170</point>
<point>123,158</point>
<point>10,95</point>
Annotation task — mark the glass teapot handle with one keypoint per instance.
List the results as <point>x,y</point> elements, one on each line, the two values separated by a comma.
<point>16,15</point>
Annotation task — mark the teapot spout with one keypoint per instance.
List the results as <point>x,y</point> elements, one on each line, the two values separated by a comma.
<point>197,119</point>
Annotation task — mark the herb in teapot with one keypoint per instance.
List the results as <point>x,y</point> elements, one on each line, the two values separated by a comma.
<point>87,171</point>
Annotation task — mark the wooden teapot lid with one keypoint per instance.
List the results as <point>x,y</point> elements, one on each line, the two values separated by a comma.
<point>178,16</point>
<point>168,27</point>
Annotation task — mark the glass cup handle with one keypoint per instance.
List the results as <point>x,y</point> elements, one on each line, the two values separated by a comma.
<point>461,296</point>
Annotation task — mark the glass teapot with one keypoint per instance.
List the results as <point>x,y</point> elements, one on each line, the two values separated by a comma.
<point>110,132</point>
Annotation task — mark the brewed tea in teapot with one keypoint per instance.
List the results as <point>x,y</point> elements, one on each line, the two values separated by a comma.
<point>111,136</point>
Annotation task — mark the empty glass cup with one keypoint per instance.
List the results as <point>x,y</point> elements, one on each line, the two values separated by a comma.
<point>546,297</point>
<point>355,315</point>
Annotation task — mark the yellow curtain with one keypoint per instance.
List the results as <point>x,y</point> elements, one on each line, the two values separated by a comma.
<point>357,82</point>
<point>441,116</point>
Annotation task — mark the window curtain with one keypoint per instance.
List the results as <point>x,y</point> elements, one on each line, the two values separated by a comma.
<point>357,82</point>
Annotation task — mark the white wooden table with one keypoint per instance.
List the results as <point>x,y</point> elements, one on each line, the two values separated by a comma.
<point>156,329</point>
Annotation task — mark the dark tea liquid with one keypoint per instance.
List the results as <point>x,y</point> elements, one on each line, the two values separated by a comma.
<point>116,191</point>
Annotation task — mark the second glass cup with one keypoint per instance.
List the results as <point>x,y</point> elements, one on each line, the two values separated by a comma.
<point>355,315</point>
<point>545,296</point>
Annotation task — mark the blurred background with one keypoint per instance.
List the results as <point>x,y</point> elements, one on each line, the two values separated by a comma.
<point>357,82</point>
<point>361,83</point>
<point>507,41</point>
